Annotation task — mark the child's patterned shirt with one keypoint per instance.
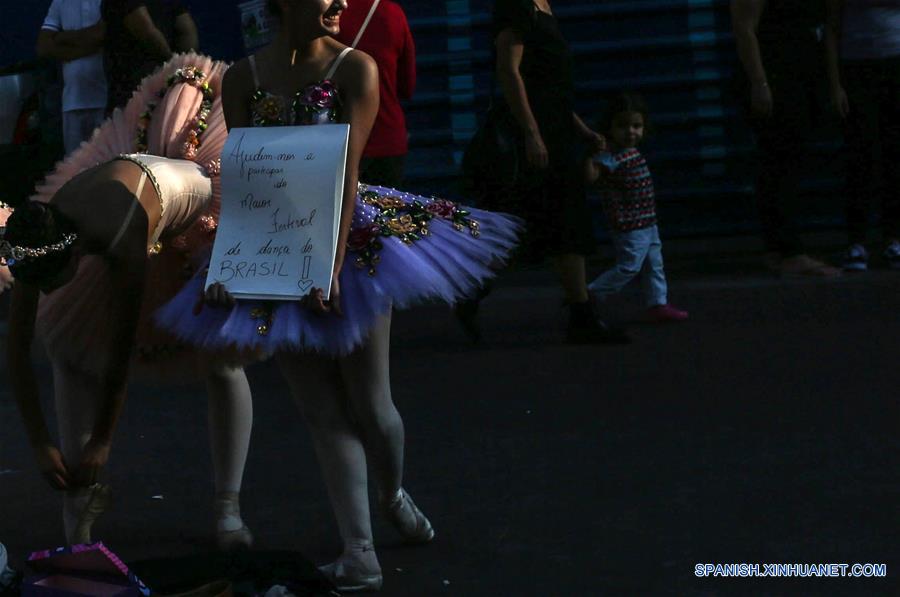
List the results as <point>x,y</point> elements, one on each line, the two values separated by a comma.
<point>626,190</point>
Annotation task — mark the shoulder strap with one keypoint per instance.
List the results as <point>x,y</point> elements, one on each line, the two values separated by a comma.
<point>365,23</point>
<point>337,62</point>
<point>252,60</point>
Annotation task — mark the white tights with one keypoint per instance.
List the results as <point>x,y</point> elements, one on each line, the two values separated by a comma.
<point>230,419</point>
<point>352,420</point>
<point>76,396</point>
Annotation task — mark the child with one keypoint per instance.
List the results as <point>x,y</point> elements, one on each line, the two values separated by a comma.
<point>623,179</point>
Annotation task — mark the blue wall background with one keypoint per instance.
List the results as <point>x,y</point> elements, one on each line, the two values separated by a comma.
<point>678,53</point>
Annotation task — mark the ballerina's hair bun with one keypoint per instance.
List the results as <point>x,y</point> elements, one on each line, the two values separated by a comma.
<point>34,225</point>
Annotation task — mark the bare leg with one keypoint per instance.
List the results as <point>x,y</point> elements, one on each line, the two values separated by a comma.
<point>230,419</point>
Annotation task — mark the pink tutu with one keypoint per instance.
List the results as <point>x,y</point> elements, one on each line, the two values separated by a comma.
<point>5,276</point>
<point>159,119</point>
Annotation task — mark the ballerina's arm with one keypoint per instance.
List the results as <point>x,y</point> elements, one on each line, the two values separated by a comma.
<point>23,309</point>
<point>358,82</point>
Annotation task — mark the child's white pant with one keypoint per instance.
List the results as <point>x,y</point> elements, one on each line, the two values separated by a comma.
<point>638,252</point>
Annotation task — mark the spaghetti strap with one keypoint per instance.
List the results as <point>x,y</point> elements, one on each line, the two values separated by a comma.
<point>252,60</point>
<point>130,214</point>
<point>337,62</point>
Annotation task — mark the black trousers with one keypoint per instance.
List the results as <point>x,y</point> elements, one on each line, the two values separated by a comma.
<point>781,144</point>
<point>383,171</point>
<point>872,134</point>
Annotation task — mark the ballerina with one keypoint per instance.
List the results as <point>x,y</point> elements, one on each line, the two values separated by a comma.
<point>113,232</point>
<point>394,249</point>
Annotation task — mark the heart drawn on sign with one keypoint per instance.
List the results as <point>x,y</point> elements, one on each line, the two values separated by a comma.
<point>304,285</point>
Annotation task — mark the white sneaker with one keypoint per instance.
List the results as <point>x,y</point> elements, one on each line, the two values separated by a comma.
<point>856,259</point>
<point>892,254</point>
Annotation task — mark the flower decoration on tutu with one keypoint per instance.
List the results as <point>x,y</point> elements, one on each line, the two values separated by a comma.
<point>365,241</point>
<point>320,96</point>
<point>208,224</point>
<point>214,167</point>
<point>403,226</point>
<point>442,208</point>
<point>360,237</point>
<point>384,202</point>
<point>188,75</point>
<point>268,110</point>
<point>449,210</point>
<point>317,103</point>
<point>406,220</point>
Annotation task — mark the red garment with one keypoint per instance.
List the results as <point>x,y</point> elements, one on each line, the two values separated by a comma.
<point>389,41</point>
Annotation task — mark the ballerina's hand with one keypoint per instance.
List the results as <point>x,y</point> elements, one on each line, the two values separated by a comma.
<point>52,466</point>
<point>93,458</point>
<point>6,279</point>
<point>317,303</point>
<point>218,296</point>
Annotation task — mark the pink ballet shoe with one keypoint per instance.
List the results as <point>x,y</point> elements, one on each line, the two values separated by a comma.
<point>355,571</point>
<point>228,514</point>
<point>665,314</point>
<point>409,521</point>
<point>98,500</point>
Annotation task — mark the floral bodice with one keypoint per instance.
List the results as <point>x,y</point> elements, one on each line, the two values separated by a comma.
<point>318,103</point>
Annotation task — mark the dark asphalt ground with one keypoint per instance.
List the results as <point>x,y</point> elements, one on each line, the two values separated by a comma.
<point>764,430</point>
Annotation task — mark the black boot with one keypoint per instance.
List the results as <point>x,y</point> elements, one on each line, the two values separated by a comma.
<point>586,328</point>
<point>466,312</point>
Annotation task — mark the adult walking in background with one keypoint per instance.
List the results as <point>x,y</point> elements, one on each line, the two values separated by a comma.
<point>778,45</point>
<point>388,40</point>
<point>73,34</point>
<point>535,70</point>
<point>862,43</point>
<point>140,36</point>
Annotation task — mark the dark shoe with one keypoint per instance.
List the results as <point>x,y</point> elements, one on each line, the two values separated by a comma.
<point>585,328</point>
<point>466,312</point>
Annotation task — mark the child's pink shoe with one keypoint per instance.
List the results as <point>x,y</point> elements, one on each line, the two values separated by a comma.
<point>665,314</point>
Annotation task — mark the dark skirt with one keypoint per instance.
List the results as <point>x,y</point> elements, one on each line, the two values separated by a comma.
<point>552,201</point>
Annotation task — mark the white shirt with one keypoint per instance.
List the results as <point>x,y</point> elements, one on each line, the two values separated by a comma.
<point>84,82</point>
<point>870,30</point>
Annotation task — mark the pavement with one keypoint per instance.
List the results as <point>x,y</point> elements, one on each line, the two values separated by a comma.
<point>763,430</point>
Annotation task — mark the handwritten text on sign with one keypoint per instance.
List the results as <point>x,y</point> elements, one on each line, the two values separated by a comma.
<point>281,208</point>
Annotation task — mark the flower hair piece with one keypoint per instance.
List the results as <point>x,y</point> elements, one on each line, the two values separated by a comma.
<point>10,254</point>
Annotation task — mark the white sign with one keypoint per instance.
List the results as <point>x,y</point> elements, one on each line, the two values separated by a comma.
<point>282,189</point>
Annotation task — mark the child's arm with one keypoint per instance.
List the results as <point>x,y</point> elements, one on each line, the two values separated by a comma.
<point>599,165</point>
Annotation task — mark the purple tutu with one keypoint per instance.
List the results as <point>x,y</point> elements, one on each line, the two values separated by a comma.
<point>403,249</point>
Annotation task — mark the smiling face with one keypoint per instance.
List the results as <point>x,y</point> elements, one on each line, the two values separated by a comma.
<point>322,17</point>
<point>627,129</point>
